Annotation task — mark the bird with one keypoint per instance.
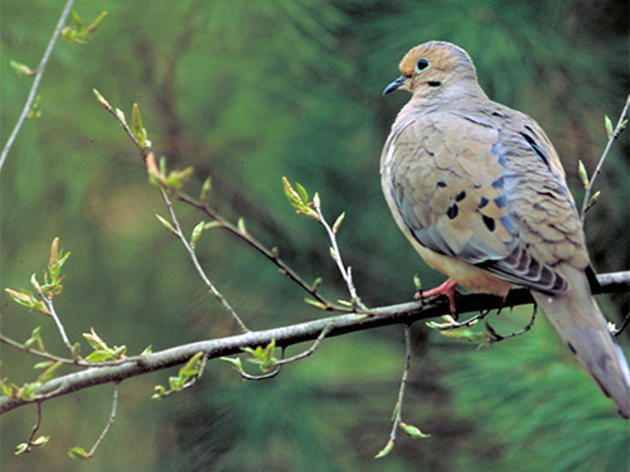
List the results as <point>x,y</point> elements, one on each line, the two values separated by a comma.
<point>480,192</point>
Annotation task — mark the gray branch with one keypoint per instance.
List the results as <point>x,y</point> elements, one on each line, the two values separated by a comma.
<point>288,335</point>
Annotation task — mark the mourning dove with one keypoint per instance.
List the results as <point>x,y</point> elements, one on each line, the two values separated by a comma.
<point>479,191</point>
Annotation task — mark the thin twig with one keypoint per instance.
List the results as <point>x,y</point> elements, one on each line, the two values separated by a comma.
<point>311,349</point>
<point>297,357</point>
<point>496,337</point>
<point>109,424</point>
<point>51,311</point>
<point>397,417</point>
<point>452,324</point>
<point>193,256</point>
<point>271,255</point>
<point>346,273</point>
<point>29,441</point>
<point>64,360</point>
<point>623,325</point>
<point>598,169</point>
<point>36,81</point>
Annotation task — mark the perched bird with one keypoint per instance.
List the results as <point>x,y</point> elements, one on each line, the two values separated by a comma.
<point>479,191</point>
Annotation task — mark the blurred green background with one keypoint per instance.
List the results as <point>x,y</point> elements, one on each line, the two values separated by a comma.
<point>249,91</point>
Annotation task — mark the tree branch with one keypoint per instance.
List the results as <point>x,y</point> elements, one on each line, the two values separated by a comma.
<point>38,78</point>
<point>288,335</point>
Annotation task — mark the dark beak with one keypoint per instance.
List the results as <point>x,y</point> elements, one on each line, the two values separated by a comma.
<point>395,84</point>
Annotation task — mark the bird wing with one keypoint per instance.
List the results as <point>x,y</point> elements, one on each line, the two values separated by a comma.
<point>486,188</point>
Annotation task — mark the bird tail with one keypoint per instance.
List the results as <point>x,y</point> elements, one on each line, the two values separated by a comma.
<point>582,327</point>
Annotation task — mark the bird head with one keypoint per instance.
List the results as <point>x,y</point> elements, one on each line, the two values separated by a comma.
<point>433,67</point>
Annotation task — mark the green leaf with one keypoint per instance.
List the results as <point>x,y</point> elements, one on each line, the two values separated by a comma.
<point>166,224</point>
<point>241,225</point>
<point>159,392</point>
<point>235,361</point>
<point>213,224</point>
<point>302,193</point>
<point>96,23</point>
<point>98,356</point>
<point>41,441</point>
<point>205,189</point>
<point>136,124</point>
<point>609,127</point>
<point>95,340</point>
<point>147,350</point>
<point>100,98</point>
<point>77,19</point>
<point>78,453</point>
<point>338,222</point>
<point>20,449</point>
<point>192,366</point>
<point>417,282</point>
<point>6,389</point>
<point>35,111</point>
<point>42,365</point>
<point>315,303</point>
<point>196,233</point>
<point>21,69</point>
<point>386,450</point>
<point>413,431</point>
<point>76,350</point>
<point>175,383</point>
<point>582,173</point>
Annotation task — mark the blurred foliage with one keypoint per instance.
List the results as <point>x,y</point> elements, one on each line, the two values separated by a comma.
<point>249,91</point>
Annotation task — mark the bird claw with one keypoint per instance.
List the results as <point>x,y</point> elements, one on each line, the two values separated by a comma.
<point>447,289</point>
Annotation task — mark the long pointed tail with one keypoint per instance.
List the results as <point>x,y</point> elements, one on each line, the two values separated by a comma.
<point>582,327</point>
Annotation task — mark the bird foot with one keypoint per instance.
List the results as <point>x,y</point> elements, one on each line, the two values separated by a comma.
<point>447,289</point>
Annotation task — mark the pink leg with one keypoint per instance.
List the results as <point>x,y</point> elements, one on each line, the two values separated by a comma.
<point>447,289</point>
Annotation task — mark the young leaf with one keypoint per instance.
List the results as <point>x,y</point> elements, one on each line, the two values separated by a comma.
<point>338,222</point>
<point>166,224</point>
<point>315,303</point>
<point>386,450</point>
<point>417,282</point>
<point>241,225</point>
<point>413,431</point>
<point>609,127</point>
<point>205,188</point>
<point>100,98</point>
<point>582,173</point>
<point>303,194</point>
<point>41,441</point>
<point>78,453</point>
<point>196,234</point>
<point>136,124</point>
<point>21,69</point>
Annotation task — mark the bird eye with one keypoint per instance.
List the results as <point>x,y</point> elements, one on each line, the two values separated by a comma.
<point>422,64</point>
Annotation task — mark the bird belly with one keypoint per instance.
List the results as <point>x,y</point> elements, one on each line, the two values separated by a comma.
<point>465,274</point>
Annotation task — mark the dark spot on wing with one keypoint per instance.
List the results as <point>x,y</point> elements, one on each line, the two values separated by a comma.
<point>489,222</point>
<point>570,346</point>
<point>601,387</point>
<point>500,201</point>
<point>483,202</point>
<point>536,148</point>
<point>441,183</point>
<point>498,183</point>
<point>497,152</point>
<point>452,211</point>
<point>507,223</point>
<point>460,196</point>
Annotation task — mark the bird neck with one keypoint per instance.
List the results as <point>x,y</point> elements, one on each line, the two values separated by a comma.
<point>457,94</point>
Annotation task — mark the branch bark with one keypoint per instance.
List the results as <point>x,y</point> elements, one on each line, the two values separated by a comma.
<point>288,335</point>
